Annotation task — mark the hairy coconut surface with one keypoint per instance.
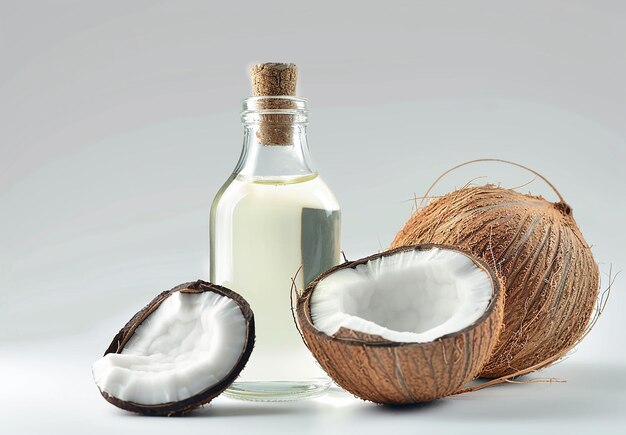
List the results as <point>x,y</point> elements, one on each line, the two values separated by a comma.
<point>179,352</point>
<point>409,325</point>
<point>550,276</point>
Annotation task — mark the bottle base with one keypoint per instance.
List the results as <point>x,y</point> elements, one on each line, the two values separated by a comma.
<point>278,391</point>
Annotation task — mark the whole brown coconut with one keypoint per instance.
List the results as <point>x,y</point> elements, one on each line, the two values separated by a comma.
<point>550,275</point>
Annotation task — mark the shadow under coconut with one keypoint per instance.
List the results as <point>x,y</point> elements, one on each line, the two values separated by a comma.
<point>345,398</point>
<point>409,408</point>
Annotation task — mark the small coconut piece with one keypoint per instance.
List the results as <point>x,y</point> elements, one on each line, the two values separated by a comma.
<point>408,325</point>
<point>179,352</point>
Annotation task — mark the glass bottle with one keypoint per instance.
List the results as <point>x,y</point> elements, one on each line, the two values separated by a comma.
<point>274,221</point>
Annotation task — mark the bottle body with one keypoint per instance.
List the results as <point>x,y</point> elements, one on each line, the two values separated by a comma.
<point>274,225</point>
<point>263,236</point>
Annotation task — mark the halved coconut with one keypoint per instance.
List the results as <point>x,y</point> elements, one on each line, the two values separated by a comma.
<point>179,352</point>
<point>409,325</point>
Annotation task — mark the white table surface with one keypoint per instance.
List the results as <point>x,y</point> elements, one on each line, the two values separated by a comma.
<point>47,388</point>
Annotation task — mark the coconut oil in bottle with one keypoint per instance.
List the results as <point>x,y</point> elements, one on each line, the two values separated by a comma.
<point>274,225</point>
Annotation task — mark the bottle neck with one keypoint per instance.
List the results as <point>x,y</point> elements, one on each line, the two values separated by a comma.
<point>275,144</point>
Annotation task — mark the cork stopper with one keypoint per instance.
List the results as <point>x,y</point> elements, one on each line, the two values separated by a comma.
<point>274,79</point>
<point>271,80</point>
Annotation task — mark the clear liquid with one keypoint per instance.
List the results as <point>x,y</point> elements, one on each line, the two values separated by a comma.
<point>262,233</point>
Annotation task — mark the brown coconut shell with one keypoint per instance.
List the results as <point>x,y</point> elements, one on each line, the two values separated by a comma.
<point>205,396</point>
<point>383,371</point>
<point>550,275</point>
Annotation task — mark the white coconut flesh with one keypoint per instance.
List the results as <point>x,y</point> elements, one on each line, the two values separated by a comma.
<point>410,296</point>
<point>190,343</point>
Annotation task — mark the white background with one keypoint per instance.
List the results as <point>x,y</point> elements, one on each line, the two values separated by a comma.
<point>119,121</point>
